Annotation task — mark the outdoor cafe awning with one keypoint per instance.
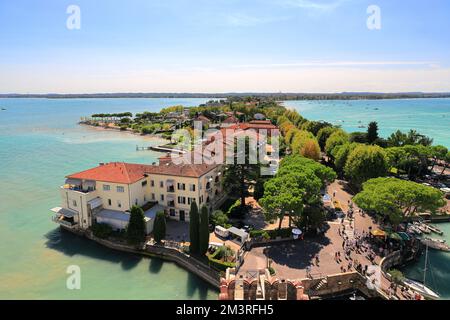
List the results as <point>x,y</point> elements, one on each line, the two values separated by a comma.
<point>378,233</point>
<point>73,182</point>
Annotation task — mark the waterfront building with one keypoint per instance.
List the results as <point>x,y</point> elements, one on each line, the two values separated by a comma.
<point>107,192</point>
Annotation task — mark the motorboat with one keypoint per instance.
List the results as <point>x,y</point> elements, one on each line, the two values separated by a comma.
<point>436,244</point>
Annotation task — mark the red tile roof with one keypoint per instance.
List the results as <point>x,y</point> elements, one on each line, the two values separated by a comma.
<point>262,124</point>
<point>128,173</point>
<point>115,172</point>
<point>202,118</point>
<point>231,119</point>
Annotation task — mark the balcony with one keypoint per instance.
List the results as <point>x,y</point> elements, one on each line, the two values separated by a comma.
<point>66,222</point>
<point>171,203</point>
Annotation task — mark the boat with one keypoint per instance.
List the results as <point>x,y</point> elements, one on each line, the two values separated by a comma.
<point>434,229</point>
<point>422,227</point>
<point>435,244</point>
<point>3,109</point>
<point>436,240</point>
<point>421,288</point>
<point>413,229</point>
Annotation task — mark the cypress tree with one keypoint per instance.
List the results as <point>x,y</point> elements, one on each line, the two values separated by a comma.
<point>372,132</point>
<point>194,224</point>
<point>136,226</point>
<point>204,231</point>
<point>159,228</point>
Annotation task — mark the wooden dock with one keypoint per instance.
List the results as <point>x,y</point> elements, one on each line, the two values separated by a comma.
<point>160,149</point>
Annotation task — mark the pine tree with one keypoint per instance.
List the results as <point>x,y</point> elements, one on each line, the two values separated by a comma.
<point>204,231</point>
<point>194,224</point>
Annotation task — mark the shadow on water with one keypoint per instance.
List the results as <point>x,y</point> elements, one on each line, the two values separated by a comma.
<point>195,285</point>
<point>72,245</point>
<point>155,265</point>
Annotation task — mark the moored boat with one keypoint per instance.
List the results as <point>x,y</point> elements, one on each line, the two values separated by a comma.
<point>421,288</point>
<point>436,244</point>
<point>435,229</point>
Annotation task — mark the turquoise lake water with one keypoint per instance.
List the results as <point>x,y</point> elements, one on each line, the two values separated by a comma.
<point>438,267</point>
<point>428,116</point>
<point>40,143</point>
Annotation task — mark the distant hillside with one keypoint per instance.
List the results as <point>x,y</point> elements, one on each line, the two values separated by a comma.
<point>276,96</point>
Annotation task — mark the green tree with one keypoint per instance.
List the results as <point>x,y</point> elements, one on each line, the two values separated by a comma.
<point>159,226</point>
<point>438,153</point>
<point>446,162</point>
<point>218,218</point>
<point>337,138</point>
<point>323,135</point>
<point>399,139</point>
<point>204,231</point>
<point>364,163</point>
<point>372,132</point>
<point>295,187</point>
<point>341,154</point>
<point>136,226</point>
<point>311,149</point>
<point>398,199</point>
<point>299,141</point>
<point>194,226</point>
<point>315,126</point>
<point>238,175</point>
<point>289,194</point>
<point>359,137</point>
<point>297,163</point>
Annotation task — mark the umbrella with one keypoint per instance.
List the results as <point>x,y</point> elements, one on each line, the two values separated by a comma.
<point>404,236</point>
<point>379,233</point>
<point>395,236</point>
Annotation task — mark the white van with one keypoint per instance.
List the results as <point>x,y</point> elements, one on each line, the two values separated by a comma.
<point>221,232</point>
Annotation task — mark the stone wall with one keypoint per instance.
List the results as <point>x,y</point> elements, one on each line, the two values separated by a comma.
<point>189,263</point>
<point>335,284</point>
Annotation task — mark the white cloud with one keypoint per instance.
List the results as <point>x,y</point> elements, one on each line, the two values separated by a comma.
<point>245,20</point>
<point>320,5</point>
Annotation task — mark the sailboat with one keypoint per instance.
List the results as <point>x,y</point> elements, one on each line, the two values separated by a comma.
<point>421,287</point>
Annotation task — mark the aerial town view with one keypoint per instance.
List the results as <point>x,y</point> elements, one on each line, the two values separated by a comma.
<point>235,151</point>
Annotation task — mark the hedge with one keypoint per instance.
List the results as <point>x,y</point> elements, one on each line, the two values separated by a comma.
<point>271,234</point>
<point>220,265</point>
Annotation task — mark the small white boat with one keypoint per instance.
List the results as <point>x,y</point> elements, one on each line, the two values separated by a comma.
<point>421,288</point>
<point>437,240</point>
<point>434,244</point>
<point>422,227</point>
<point>434,229</point>
<point>413,229</point>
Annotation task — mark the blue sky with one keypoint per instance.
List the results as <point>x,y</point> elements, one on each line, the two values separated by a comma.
<point>224,45</point>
